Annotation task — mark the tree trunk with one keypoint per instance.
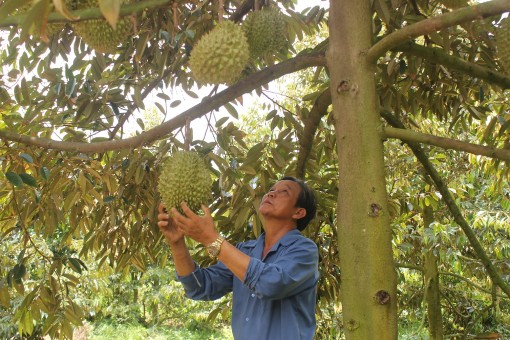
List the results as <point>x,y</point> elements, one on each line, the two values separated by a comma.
<point>368,277</point>
<point>431,278</point>
<point>134,278</point>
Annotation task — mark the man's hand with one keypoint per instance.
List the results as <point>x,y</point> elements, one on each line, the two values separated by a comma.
<point>166,224</point>
<point>199,228</point>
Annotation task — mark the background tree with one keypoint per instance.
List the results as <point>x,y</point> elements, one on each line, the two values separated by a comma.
<point>78,189</point>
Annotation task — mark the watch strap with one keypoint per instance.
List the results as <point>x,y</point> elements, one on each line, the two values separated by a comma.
<point>214,248</point>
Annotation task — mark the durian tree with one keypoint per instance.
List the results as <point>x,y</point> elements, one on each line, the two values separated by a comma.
<point>76,187</point>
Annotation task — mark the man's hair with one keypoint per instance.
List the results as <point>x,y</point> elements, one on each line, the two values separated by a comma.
<point>305,200</point>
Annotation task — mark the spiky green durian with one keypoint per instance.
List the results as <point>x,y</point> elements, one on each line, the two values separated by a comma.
<point>502,37</point>
<point>453,4</point>
<point>220,56</point>
<point>184,177</point>
<point>265,31</point>
<point>98,33</point>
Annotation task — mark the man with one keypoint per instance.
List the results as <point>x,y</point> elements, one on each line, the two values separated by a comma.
<point>273,278</point>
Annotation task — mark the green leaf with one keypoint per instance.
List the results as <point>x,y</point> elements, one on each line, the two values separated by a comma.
<point>18,271</point>
<point>27,157</point>
<point>57,88</point>
<point>503,128</point>
<point>140,123</point>
<point>175,103</point>
<point>160,107</point>
<point>28,179</point>
<point>27,322</point>
<point>221,121</point>
<point>163,96</point>
<point>45,173</point>
<point>109,199</point>
<point>71,84</point>
<point>14,178</point>
<point>137,97</point>
<point>271,115</point>
<point>4,297</point>
<point>307,97</point>
<point>61,7</point>
<point>75,264</point>
<point>110,10</point>
<point>190,34</point>
<point>231,109</point>
<point>190,93</point>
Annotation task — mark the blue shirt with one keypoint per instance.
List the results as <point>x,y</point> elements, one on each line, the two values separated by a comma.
<point>277,298</point>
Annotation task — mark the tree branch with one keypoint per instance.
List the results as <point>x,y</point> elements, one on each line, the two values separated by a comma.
<point>446,143</point>
<point>437,23</point>
<point>89,13</point>
<point>460,277</point>
<point>242,10</point>
<point>245,85</point>
<point>439,56</point>
<point>319,110</point>
<point>452,207</point>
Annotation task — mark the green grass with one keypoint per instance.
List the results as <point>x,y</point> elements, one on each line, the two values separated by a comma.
<point>194,331</point>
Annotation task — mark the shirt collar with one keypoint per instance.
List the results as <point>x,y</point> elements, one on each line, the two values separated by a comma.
<point>287,239</point>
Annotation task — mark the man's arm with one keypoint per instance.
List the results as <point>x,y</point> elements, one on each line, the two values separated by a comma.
<point>273,280</point>
<point>184,264</point>
<point>234,259</point>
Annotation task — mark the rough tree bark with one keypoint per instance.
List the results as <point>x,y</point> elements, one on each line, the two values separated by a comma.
<point>368,277</point>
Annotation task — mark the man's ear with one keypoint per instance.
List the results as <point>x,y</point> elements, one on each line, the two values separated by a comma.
<point>299,214</point>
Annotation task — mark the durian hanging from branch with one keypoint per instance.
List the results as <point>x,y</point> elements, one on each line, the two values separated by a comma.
<point>266,31</point>
<point>104,35</point>
<point>220,56</point>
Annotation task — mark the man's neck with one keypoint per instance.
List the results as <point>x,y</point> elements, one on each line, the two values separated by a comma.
<point>274,232</point>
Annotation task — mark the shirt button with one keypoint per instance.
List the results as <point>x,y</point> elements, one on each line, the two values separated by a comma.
<point>247,319</point>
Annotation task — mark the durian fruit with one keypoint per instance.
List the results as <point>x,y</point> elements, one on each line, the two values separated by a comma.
<point>98,33</point>
<point>265,30</point>
<point>453,4</point>
<point>184,177</point>
<point>54,28</point>
<point>502,37</point>
<point>50,29</point>
<point>220,56</point>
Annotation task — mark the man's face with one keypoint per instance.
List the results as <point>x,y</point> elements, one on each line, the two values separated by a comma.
<point>280,200</point>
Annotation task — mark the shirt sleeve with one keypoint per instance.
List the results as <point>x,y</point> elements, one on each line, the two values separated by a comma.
<point>209,283</point>
<point>295,269</point>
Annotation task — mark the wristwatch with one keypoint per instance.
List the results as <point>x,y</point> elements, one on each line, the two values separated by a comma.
<point>214,248</point>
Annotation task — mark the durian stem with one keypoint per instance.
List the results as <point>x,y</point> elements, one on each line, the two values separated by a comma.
<point>176,18</point>
<point>187,134</point>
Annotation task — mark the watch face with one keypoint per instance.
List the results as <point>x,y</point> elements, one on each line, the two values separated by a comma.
<point>214,248</point>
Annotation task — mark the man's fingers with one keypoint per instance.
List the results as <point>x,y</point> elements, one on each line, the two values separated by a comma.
<point>178,217</point>
<point>206,210</point>
<point>162,208</point>
<point>163,217</point>
<point>187,211</point>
